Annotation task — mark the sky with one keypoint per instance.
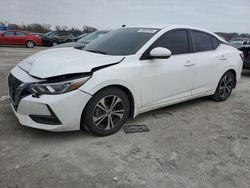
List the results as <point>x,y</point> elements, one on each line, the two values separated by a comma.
<point>213,15</point>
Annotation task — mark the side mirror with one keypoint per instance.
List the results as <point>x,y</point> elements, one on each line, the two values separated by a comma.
<point>159,53</point>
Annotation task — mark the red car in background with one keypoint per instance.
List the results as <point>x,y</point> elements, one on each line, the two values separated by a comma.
<point>14,37</point>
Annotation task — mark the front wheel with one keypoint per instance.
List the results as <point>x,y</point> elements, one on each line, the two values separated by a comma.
<point>30,44</point>
<point>225,87</point>
<point>106,112</point>
<point>54,43</point>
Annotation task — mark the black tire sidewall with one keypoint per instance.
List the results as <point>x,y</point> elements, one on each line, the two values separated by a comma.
<point>87,118</point>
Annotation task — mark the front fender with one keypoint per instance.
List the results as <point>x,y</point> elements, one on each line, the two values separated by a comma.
<point>117,82</point>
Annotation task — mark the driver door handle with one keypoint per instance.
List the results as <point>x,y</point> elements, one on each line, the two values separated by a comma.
<point>223,58</point>
<point>188,64</point>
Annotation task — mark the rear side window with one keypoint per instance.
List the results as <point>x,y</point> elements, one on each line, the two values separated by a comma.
<point>176,41</point>
<point>201,41</point>
<point>215,42</point>
<point>18,33</point>
<point>9,33</point>
<point>62,34</point>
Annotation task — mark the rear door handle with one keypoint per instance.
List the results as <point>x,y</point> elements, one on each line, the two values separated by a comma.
<point>223,58</point>
<point>188,64</point>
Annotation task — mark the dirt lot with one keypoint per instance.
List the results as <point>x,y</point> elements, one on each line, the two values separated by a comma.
<point>200,143</point>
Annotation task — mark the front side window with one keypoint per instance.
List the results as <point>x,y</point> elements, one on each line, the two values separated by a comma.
<point>201,41</point>
<point>62,34</point>
<point>124,41</point>
<point>176,41</point>
<point>9,33</point>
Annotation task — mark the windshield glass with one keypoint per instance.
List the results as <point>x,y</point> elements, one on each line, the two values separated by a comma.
<point>236,44</point>
<point>82,35</point>
<point>49,33</point>
<point>90,37</point>
<point>124,41</point>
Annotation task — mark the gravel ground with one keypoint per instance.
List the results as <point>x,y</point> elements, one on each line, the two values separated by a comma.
<point>200,143</point>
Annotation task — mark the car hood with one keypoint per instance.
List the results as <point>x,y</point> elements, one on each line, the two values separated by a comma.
<point>62,61</point>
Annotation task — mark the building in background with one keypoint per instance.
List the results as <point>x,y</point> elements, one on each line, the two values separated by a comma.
<point>4,26</point>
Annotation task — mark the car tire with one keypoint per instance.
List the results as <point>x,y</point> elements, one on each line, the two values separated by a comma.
<point>54,43</point>
<point>225,87</point>
<point>30,44</point>
<point>106,112</point>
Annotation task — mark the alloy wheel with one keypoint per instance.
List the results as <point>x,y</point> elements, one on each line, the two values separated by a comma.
<point>226,86</point>
<point>30,44</point>
<point>108,112</point>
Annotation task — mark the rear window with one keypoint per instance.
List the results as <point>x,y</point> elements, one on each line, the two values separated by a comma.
<point>201,41</point>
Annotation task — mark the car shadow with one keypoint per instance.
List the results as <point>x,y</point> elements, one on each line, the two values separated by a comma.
<point>11,124</point>
<point>246,73</point>
<point>170,110</point>
<point>38,134</point>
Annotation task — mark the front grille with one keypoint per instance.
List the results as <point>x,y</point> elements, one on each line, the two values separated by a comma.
<point>17,90</point>
<point>14,83</point>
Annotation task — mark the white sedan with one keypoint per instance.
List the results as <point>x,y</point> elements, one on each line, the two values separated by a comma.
<point>128,71</point>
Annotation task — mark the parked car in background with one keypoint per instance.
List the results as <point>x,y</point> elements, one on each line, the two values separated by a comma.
<point>39,34</point>
<point>81,43</point>
<point>57,37</point>
<point>246,51</point>
<point>126,72</point>
<point>239,40</point>
<point>236,44</point>
<point>15,37</point>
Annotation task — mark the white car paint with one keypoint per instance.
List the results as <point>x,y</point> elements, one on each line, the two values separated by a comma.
<point>153,83</point>
<point>55,61</point>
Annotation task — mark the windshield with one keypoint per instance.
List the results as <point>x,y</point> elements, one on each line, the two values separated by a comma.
<point>236,44</point>
<point>82,35</point>
<point>124,41</point>
<point>90,37</point>
<point>49,33</point>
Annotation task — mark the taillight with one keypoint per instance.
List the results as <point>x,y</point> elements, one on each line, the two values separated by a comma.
<point>242,56</point>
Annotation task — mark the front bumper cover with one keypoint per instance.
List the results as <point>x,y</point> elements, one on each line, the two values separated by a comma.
<point>48,112</point>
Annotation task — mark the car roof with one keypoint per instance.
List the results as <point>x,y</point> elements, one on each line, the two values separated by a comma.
<point>12,30</point>
<point>172,26</point>
<point>176,26</point>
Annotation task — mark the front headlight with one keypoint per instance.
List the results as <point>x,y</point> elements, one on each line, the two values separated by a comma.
<point>58,88</point>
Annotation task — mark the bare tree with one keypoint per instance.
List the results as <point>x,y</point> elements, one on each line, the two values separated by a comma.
<point>44,28</point>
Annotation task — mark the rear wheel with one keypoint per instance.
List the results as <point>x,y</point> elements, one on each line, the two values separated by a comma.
<point>106,112</point>
<point>225,87</point>
<point>30,44</point>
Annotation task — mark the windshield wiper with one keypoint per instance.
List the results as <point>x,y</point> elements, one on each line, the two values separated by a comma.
<point>97,51</point>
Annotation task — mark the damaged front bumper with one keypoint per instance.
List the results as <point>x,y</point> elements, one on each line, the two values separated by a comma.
<point>48,112</point>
